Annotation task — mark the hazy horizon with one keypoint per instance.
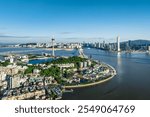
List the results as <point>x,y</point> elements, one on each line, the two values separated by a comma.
<point>25,21</point>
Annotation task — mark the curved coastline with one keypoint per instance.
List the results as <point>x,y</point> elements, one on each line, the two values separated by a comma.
<point>94,83</point>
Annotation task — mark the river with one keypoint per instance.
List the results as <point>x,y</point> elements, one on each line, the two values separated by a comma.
<point>131,82</point>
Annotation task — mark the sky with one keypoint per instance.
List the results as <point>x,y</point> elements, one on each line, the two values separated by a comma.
<point>73,20</point>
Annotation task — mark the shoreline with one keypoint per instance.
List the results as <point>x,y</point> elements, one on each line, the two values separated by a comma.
<point>94,83</point>
<point>66,49</point>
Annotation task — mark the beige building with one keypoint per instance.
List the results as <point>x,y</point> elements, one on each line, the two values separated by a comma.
<point>2,76</point>
<point>12,69</point>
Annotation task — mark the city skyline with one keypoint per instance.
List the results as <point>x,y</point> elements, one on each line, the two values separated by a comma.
<point>75,20</point>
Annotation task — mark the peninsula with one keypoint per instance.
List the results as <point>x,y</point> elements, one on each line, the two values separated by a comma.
<point>49,79</point>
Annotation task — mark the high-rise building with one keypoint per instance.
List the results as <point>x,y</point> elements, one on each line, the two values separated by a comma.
<point>130,43</point>
<point>13,81</point>
<point>85,64</point>
<point>11,59</point>
<point>148,48</point>
<point>89,63</point>
<point>53,54</point>
<point>118,44</point>
<point>127,47</point>
<point>103,46</point>
<point>2,76</point>
<point>81,64</point>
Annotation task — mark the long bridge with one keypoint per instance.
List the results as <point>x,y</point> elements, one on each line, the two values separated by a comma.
<point>81,53</point>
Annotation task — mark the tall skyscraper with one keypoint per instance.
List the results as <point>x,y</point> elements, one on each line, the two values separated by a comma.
<point>13,82</point>
<point>103,44</point>
<point>53,54</point>
<point>118,44</point>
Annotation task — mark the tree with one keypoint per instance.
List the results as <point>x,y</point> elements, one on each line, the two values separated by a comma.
<point>29,69</point>
<point>53,71</point>
<point>4,63</point>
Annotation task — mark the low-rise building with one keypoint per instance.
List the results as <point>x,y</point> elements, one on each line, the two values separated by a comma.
<point>24,96</point>
<point>36,71</point>
<point>48,80</point>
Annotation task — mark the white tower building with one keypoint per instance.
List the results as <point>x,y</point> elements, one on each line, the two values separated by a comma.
<point>118,44</point>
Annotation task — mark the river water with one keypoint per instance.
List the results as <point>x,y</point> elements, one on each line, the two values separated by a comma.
<point>131,82</point>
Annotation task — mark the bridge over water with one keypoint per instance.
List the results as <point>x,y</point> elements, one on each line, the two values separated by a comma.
<point>81,53</point>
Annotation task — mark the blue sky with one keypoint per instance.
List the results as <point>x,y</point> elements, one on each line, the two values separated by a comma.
<point>73,20</point>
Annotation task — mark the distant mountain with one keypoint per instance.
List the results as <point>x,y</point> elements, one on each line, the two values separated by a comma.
<point>138,42</point>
